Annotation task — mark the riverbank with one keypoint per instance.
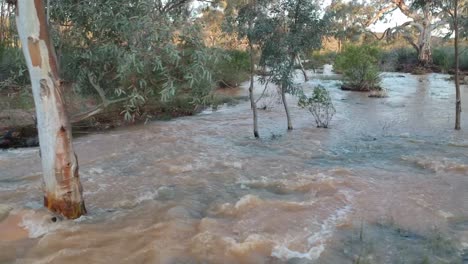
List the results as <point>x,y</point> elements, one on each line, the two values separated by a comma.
<point>17,117</point>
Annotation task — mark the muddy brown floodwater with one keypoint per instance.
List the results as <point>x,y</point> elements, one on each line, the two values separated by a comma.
<point>387,183</point>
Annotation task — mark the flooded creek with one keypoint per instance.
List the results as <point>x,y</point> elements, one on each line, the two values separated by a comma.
<point>386,183</point>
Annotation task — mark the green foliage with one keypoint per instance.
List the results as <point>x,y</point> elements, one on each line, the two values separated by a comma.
<point>317,59</point>
<point>443,58</point>
<point>298,28</point>
<point>397,59</point>
<point>359,65</point>
<point>407,56</point>
<point>232,69</point>
<point>13,70</point>
<point>133,51</point>
<point>320,105</point>
<point>347,19</point>
<point>249,20</point>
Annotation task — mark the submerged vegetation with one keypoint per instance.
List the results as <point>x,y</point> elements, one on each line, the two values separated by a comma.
<point>104,63</point>
<point>359,65</point>
<point>378,242</point>
<point>320,105</point>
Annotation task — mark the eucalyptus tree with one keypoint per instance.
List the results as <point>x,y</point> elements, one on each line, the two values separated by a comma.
<point>347,20</point>
<point>250,20</point>
<point>423,16</point>
<point>456,11</point>
<point>133,52</point>
<point>63,191</point>
<point>299,26</point>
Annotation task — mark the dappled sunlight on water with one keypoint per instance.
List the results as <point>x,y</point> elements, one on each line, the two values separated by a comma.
<point>390,174</point>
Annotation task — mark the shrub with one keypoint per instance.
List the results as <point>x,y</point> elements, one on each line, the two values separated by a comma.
<point>141,56</point>
<point>232,69</point>
<point>444,58</point>
<point>406,56</point>
<point>388,60</point>
<point>13,70</point>
<point>359,65</point>
<point>464,59</point>
<point>316,59</point>
<point>320,105</point>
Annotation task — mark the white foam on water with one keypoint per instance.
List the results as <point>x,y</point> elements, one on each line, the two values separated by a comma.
<point>247,201</point>
<point>317,241</point>
<point>146,196</point>
<point>83,218</point>
<point>233,164</point>
<point>284,253</point>
<point>96,170</point>
<point>37,224</point>
<point>437,165</point>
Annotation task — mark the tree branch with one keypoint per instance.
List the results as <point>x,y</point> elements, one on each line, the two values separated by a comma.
<point>96,110</point>
<point>406,10</point>
<point>380,14</point>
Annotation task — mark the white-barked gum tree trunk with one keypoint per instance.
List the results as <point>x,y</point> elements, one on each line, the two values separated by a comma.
<point>62,187</point>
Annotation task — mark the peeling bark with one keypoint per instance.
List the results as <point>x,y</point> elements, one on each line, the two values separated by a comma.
<point>62,187</point>
<point>422,22</point>
<point>424,43</point>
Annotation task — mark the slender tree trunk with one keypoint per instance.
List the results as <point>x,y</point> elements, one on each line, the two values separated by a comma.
<point>284,87</point>
<point>457,74</point>
<point>63,191</point>
<point>253,104</point>
<point>285,103</point>
<point>306,78</point>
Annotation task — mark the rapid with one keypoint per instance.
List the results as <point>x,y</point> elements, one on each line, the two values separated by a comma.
<point>386,183</point>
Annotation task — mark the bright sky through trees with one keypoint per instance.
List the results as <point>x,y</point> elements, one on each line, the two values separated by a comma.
<point>396,18</point>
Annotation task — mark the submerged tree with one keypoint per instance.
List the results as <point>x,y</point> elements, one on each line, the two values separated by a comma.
<point>250,21</point>
<point>63,191</point>
<point>359,65</point>
<point>453,8</point>
<point>456,29</point>
<point>299,27</point>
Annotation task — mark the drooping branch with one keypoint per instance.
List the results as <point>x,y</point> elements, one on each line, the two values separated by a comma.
<point>390,33</point>
<point>99,108</point>
<point>384,35</point>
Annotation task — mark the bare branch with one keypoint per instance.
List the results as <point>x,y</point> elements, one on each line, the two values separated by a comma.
<point>380,14</point>
<point>98,89</point>
<point>439,23</point>
<point>96,110</point>
<point>406,10</point>
<point>81,116</point>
